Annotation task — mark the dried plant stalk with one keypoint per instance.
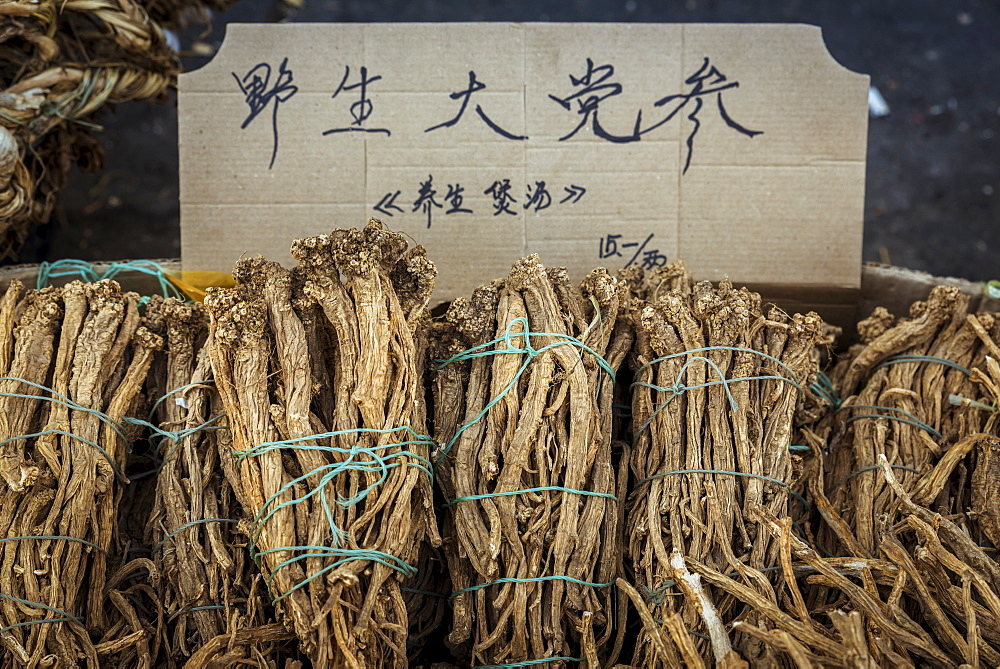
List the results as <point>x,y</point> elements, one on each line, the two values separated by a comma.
<point>63,457</point>
<point>906,392</point>
<point>359,494</point>
<point>717,384</point>
<point>209,586</point>
<point>528,470</point>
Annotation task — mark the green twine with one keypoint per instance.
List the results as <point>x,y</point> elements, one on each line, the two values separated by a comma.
<point>556,488</point>
<point>377,464</point>
<point>529,663</point>
<point>679,388</point>
<point>170,536</point>
<point>909,420</point>
<point>85,271</point>
<point>66,617</point>
<point>58,398</point>
<point>537,579</point>
<point>57,538</point>
<point>791,492</point>
<point>483,350</point>
<point>897,359</point>
<point>800,448</point>
<point>114,466</point>
<point>823,388</point>
<point>176,436</point>
<point>867,469</point>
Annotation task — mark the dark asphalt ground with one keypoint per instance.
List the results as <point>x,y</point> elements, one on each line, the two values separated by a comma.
<point>933,188</point>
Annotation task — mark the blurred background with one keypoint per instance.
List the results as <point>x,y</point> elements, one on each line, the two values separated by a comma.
<point>933,184</point>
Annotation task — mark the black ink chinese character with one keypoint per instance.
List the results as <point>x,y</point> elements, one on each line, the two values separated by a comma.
<point>361,109</point>
<point>706,81</point>
<point>388,202</point>
<point>573,193</point>
<point>502,198</point>
<point>254,86</point>
<point>474,86</point>
<point>594,88</point>
<point>426,199</point>
<point>653,259</point>
<point>540,199</point>
<point>632,245</point>
<point>455,198</point>
<point>609,247</point>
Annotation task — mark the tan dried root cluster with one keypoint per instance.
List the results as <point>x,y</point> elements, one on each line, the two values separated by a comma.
<point>894,564</point>
<point>73,362</point>
<point>215,604</point>
<point>320,370</point>
<point>533,491</point>
<point>639,471</point>
<point>718,378</point>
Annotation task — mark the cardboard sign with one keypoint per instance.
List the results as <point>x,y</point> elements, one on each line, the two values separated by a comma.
<point>739,148</point>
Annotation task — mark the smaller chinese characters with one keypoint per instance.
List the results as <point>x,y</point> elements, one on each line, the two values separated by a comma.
<point>635,252</point>
<point>450,199</point>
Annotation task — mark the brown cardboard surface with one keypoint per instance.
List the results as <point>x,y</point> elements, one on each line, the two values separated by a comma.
<point>754,169</point>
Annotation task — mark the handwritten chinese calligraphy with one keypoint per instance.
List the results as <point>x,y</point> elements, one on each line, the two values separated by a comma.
<point>594,88</point>
<point>501,191</point>
<point>597,85</point>
<point>474,86</point>
<point>611,246</point>
<point>259,94</point>
<point>360,110</point>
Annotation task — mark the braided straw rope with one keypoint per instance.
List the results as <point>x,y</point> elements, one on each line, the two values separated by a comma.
<point>69,72</point>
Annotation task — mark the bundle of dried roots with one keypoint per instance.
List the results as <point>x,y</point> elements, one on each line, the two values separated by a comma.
<point>320,370</point>
<point>73,361</point>
<point>217,610</point>
<point>523,409</point>
<point>717,381</point>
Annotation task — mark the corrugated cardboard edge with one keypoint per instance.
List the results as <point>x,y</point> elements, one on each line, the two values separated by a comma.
<point>894,288</point>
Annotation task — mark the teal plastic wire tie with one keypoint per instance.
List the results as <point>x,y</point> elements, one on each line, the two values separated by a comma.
<point>898,359</point>
<point>160,434</point>
<point>556,488</point>
<point>679,388</point>
<point>58,398</point>
<point>85,271</point>
<point>377,464</point>
<point>909,419</point>
<point>66,617</point>
<point>57,538</point>
<point>823,388</point>
<point>185,526</point>
<point>867,469</point>
<point>484,350</point>
<point>537,579</point>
